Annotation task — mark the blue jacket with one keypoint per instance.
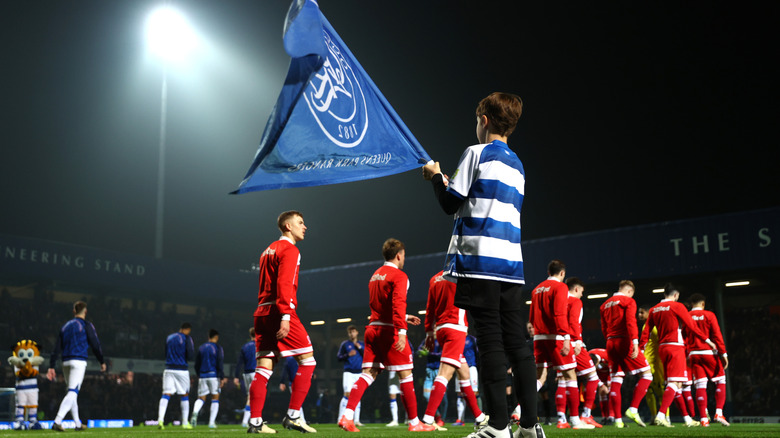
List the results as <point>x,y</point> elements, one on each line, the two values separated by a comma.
<point>208,362</point>
<point>75,339</point>
<point>247,361</point>
<point>179,349</point>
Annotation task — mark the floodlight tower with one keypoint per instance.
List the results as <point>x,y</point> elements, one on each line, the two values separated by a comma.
<point>170,38</point>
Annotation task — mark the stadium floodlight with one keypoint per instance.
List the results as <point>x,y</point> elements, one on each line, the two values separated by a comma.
<point>597,296</point>
<point>528,302</point>
<point>421,312</point>
<point>320,322</point>
<point>343,320</point>
<point>170,38</point>
<point>737,283</point>
<point>169,34</point>
<point>658,291</point>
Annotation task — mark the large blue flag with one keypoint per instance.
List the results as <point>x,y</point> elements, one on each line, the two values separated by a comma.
<point>331,124</point>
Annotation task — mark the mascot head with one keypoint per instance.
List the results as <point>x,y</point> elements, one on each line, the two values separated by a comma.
<point>26,358</point>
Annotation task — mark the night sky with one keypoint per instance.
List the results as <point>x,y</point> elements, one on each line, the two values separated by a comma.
<point>634,113</point>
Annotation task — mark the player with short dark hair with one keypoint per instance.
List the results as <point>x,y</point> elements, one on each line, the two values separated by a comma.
<point>708,364</point>
<point>386,344</point>
<point>208,366</point>
<point>245,370</point>
<point>75,340</point>
<point>618,325</point>
<point>671,317</point>
<point>552,341</point>
<point>179,350</point>
<point>351,353</point>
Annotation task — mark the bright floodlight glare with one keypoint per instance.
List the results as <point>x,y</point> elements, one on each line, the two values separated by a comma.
<point>169,35</point>
<point>738,283</point>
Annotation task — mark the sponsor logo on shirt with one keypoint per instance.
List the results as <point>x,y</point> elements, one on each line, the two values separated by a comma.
<point>661,309</point>
<point>378,277</point>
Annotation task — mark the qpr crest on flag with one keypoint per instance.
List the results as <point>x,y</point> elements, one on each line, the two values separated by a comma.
<point>330,124</point>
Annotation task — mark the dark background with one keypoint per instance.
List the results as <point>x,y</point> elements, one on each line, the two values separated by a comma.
<point>634,113</point>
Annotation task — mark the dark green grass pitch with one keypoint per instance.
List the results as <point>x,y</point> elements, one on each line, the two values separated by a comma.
<point>379,430</point>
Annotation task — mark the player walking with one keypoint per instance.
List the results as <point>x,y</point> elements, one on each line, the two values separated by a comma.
<point>76,337</point>
<point>670,317</point>
<point>552,340</point>
<point>704,362</point>
<point>245,369</point>
<point>386,343</point>
<point>618,324</point>
<point>278,330</point>
<point>585,370</point>
<point>351,353</point>
<point>450,326</point>
<point>179,350</point>
<point>211,378</point>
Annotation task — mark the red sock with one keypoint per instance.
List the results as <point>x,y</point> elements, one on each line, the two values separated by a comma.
<point>257,392</point>
<point>302,383</point>
<point>687,395</point>
<point>606,411</point>
<point>409,397</point>
<point>640,390</point>
<point>701,401</point>
<point>471,398</point>
<point>560,397</point>
<point>356,393</point>
<point>573,398</point>
<point>679,400</point>
<point>590,392</point>
<point>720,395</point>
<point>437,393</point>
<point>616,399</point>
<point>667,399</point>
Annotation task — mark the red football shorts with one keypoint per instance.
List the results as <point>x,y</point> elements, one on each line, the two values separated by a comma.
<point>706,366</point>
<point>618,350</point>
<point>296,342</point>
<point>452,342</point>
<point>585,364</point>
<point>547,353</point>
<point>673,358</point>
<point>380,353</point>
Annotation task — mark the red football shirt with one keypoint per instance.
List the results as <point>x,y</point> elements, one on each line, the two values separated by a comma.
<point>387,297</point>
<point>279,265</point>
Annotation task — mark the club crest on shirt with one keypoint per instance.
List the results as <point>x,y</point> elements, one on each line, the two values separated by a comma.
<point>336,99</point>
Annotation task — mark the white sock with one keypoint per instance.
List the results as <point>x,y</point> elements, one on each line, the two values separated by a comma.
<point>185,410</point>
<point>342,406</point>
<point>394,409</point>
<point>213,411</point>
<point>161,410</point>
<point>461,408</point>
<point>349,414</point>
<point>197,407</point>
<point>247,412</point>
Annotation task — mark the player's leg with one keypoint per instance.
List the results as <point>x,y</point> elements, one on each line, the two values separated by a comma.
<point>214,408</point>
<point>466,388</point>
<point>438,390</point>
<point>203,390</point>
<point>247,412</point>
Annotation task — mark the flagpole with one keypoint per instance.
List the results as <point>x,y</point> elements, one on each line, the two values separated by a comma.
<point>158,235</point>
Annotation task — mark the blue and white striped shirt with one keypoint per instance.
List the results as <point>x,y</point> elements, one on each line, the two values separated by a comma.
<point>485,240</point>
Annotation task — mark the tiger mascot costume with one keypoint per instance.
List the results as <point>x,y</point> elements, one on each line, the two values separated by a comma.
<point>25,360</point>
